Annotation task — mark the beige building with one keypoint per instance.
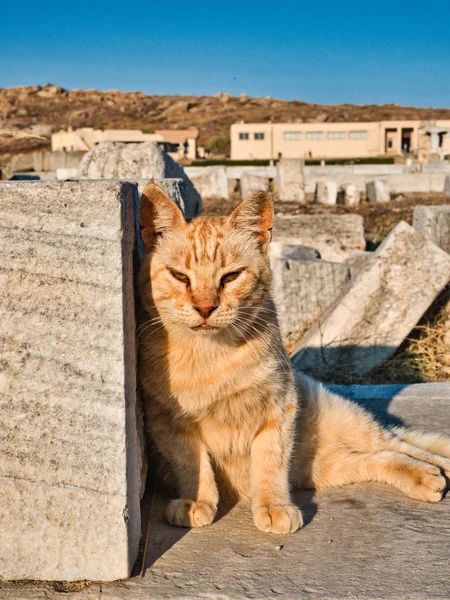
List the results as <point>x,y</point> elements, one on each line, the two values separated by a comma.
<point>181,143</point>
<point>423,139</point>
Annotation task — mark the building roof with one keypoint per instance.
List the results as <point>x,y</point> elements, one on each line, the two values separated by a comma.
<point>177,136</point>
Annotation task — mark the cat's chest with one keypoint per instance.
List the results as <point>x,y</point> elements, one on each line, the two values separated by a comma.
<point>202,377</point>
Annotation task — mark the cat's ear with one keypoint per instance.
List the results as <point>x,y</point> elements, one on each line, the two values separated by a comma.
<point>255,214</point>
<point>158,214</point>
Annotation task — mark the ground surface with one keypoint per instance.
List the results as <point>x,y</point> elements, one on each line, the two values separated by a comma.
<point>365,541</point>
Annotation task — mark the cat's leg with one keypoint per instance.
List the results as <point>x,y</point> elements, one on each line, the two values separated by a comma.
<point>417,479</point>
<point>273,511</point>
<point>415,451</point>
<point>189,460</point>
<point>430,442</point>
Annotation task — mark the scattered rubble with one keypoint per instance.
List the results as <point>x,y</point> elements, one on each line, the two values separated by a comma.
<point>304,286</point>
<point>212,183</point>
<point>377,191</point>
<point>351,195</point>
<point>365,325</point>
<point>290,180</point>
<point>326,192</point>
<point>433,222</point>
<point>251,181</point>
<point>334,236</point>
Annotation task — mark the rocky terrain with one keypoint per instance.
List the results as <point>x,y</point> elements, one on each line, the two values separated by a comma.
<point>43,109</point>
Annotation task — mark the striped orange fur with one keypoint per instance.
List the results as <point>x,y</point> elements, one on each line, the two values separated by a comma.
<point>224,411</point>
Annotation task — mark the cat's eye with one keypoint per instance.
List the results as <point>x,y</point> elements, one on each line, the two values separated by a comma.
<point>230,277</point>
<point>179,276</point>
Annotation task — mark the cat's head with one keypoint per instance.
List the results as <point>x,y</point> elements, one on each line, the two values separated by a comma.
<point>210,275</point>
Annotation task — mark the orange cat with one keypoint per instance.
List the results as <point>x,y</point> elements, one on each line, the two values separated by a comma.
<point>223,407</point>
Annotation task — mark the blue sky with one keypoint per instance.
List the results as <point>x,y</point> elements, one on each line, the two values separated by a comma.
<point>327,52</point>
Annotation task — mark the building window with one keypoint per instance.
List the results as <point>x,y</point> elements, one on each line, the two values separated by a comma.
<point>336,135</point>
<point>314,135</point>
<point>259,136</point>
<point>358,135</point>
<point>244,136</point>
<point>292,135</point>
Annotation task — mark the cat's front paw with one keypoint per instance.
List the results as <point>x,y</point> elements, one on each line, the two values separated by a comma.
<point>429,484</point>
<point>190,513</point>
<point>278,518</point>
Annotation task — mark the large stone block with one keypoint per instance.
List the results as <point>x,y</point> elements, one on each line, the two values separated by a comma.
<point>351,194</point>
<point>115,160</point>
<point>69,441</point>
<point>447,187</point>
<point>290,180</point>
<point>303,287</point>
<point>326,192</point>
<point>250,182</point>
<point>212,183</point>
<point>433,222</point>
<point>377,191</point>
<point>334,236</point>
<point>367,323</point>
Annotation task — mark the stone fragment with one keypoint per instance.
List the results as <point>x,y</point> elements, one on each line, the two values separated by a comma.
<point>377,191</point>
<point>278,250</point>
<point>357,260</point>
<point>290,180</point>
<point>334,236</point>
<point>303,287</point>
<point>115,160</point>
<point>367,323</point>
<point>212,183</point>
<point>70,455</point>
<point>433,222</point>
<point>176,190</point>
<point>351,195</point>
<point>66,173</point>
<point>250,182</point>
<point>326,192</point>
<point>447,187</point>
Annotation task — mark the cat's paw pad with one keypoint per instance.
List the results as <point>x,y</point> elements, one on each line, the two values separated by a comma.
<point>278,518</point>
<point>190,513</point>
<point>429,484</point>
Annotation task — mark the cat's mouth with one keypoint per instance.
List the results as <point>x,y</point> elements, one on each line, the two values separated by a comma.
<point>205,327</point>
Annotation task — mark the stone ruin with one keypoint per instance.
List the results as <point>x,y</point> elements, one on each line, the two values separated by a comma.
<point>72,466</point>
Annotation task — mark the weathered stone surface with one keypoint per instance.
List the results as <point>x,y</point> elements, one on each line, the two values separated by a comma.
<point>304,287</point>
<point>351,195</point>
<point>326,192</point>
<point>212,183</point>
<point>176,189</point>
<point>433,222</point>
<point>290,180</point>
<point>361,541</point>
<point>250,182</point>
<point>70,455</point>
<point>114,160</point>
<point>377,191</point>
<point>66,173</point>
<point>278,249</point>
<point>334,236</point>
<point>447,187</point>
<point>365,325</point>
<point>357,260</point>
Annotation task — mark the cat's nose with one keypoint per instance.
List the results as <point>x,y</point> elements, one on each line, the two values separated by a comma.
<point>205,309</point>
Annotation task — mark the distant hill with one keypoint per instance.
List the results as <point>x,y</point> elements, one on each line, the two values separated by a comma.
<point>25,108</point>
